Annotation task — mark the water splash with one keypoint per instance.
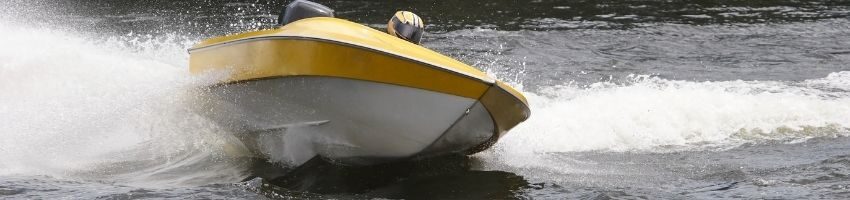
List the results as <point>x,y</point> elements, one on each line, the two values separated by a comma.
<point>73,104</point>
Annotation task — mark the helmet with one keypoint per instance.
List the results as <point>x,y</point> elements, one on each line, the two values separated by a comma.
<point>407,26</point>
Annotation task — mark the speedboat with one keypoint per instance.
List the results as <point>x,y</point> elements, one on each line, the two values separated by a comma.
<point>330,88</point>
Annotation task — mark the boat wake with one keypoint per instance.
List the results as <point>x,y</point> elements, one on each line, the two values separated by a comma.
<point>654,115</point>
<point>117,110</point>
<point>652,112</point>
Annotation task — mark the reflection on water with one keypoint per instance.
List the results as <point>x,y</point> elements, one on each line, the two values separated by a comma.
<point>450,177</point>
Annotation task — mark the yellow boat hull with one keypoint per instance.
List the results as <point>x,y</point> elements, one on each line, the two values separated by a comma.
<point>332,88</point>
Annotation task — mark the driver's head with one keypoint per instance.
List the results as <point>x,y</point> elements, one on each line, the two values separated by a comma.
<point>407,26</point>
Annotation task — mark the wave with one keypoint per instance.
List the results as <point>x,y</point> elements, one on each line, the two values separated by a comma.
<point>650,114</point>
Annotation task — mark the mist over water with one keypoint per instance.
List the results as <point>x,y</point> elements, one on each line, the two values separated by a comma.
<point>704,107</point>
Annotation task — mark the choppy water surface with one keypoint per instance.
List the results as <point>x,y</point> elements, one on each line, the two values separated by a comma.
<point>630,99</point>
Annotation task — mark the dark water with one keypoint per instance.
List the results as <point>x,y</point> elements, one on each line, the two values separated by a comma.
<point>630,100</point>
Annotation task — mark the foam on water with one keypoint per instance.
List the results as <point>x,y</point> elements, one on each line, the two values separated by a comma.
<point>654,114</point>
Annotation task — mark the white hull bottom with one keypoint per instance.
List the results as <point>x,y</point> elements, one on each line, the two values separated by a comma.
<point>294,119</point>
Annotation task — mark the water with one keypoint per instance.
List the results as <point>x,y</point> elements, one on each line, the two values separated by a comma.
<point>632,99</point>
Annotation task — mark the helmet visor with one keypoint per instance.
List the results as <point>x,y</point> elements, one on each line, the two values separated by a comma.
<point>408,32</point>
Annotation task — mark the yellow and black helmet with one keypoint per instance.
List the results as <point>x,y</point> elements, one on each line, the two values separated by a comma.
<point>407,26</point>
